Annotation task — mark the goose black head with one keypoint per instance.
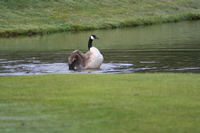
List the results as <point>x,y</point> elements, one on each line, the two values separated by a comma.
<point>92,37</point>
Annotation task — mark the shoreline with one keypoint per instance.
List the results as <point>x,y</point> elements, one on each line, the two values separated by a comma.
<point>59,16</point>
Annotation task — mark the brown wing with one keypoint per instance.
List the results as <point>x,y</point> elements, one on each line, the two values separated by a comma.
<point>77,60</point>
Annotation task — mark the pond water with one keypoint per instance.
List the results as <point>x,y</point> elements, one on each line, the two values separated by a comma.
<point>171,47</point>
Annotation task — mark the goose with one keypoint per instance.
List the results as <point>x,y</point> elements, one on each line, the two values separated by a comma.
<point>90,60</point>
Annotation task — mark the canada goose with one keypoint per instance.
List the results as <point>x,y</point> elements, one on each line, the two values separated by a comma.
<point>90,60</point>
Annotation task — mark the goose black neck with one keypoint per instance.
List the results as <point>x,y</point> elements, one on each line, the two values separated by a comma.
<point>90,43</point>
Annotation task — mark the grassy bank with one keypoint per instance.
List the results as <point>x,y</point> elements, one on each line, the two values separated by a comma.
<point>75,103</point>
<point>44,16</point>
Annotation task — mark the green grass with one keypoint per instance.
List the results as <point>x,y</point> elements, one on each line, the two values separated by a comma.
<point>44,16</point>
<point>74,103</point>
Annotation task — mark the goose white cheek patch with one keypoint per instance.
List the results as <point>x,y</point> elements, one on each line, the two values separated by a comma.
<point>92,37</point>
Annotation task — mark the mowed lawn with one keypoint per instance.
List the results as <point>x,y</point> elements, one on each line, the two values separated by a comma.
<point>27,17</point>
<point>87,103</point>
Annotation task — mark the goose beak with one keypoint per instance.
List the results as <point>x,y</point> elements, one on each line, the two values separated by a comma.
<point>96,38</point>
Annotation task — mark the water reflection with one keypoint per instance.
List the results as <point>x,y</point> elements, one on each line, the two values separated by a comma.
<point>171,47</point>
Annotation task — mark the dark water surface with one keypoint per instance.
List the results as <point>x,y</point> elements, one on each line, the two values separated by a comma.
<point>173,47</point>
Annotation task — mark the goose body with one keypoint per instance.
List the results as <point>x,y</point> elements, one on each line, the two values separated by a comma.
<point>90,60</point>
